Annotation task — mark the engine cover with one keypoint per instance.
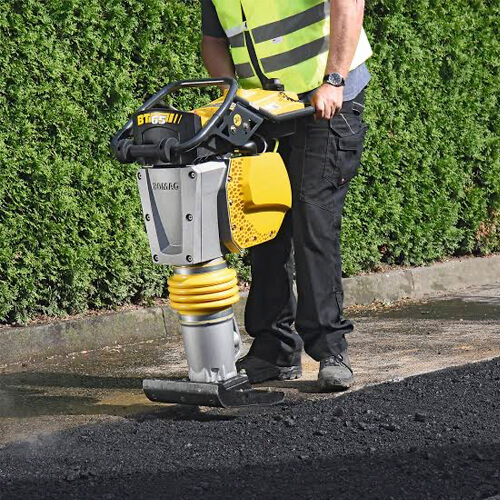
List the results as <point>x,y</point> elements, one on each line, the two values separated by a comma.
<point>158,124</point>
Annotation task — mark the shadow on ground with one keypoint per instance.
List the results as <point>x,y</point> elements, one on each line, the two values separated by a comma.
<point>59,379</point>
<point>32,394</point>
<point>450,472</point>
<point>21,396</point>
<point>302,386</point>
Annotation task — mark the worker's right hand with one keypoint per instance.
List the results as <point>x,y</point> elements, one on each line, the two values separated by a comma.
<point>327,101</point>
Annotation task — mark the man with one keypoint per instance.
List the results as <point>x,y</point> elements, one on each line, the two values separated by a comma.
<point>317,49</point>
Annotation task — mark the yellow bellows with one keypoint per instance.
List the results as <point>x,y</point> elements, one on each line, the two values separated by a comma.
<point>203,293</point>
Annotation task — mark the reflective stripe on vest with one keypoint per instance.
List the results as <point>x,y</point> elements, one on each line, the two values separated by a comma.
<point>290,39</point>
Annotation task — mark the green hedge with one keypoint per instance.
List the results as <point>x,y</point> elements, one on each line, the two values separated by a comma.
<point>430,183</point>
<point>72,71</point>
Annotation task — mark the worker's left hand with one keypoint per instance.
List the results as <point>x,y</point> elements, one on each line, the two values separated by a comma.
<point>327,101</point>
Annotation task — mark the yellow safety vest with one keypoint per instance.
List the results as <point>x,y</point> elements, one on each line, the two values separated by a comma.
<point>284,39</point>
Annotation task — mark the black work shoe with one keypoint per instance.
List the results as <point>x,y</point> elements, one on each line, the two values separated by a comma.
<point>259,370</point>
<point>335,373</point>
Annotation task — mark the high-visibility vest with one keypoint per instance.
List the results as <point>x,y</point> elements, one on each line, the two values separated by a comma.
<point>284,39</point>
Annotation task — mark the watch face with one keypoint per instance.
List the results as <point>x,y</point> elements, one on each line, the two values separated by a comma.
<point>335,79</point>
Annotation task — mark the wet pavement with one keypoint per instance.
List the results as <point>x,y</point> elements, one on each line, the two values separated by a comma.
<point>390,343</point>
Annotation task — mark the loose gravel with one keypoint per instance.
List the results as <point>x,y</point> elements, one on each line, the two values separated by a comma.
<point>434,436</point>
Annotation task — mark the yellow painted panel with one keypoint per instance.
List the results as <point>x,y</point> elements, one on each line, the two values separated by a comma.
<point>272,101</point>
<point>259,195</point>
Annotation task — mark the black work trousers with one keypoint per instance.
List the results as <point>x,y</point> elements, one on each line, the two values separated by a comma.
<point>321,158</point>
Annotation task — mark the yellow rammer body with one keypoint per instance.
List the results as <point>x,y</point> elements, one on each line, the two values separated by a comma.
<point>210,185</point>
<point>194,215</point>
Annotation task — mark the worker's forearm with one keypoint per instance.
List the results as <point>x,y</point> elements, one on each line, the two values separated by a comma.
<point>346,21</point>
<point>216,57</point>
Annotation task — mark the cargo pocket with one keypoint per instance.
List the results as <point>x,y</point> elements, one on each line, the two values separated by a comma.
<point>346,148</point>
<point>314,188</point>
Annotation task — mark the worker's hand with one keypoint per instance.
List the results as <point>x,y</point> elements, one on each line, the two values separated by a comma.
<point>327,101</point>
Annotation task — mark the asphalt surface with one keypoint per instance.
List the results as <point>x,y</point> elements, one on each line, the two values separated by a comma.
<point>430,436</point>
<point>79,426</point>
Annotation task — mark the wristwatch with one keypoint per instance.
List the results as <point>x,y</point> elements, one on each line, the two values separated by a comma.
<point>334,79</point>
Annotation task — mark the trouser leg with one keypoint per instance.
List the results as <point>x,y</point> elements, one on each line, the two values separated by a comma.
<point>319,318</point>
<point>271,303</point>
<point>325,156</point>
<point>321,159</point>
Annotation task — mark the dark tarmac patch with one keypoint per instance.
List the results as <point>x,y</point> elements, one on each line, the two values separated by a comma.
<point>431,436</point>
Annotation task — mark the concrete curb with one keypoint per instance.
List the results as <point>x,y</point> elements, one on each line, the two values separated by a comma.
<point>33,343</point>
<point>420,282</point>
<point>63,337</point>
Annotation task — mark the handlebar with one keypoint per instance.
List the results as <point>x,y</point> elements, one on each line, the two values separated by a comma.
<point>174,146</point>
<point>124,132</point>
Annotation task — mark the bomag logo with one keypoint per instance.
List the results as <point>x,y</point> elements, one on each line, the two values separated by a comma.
<point>158,118</point>
<point>165,186</point>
